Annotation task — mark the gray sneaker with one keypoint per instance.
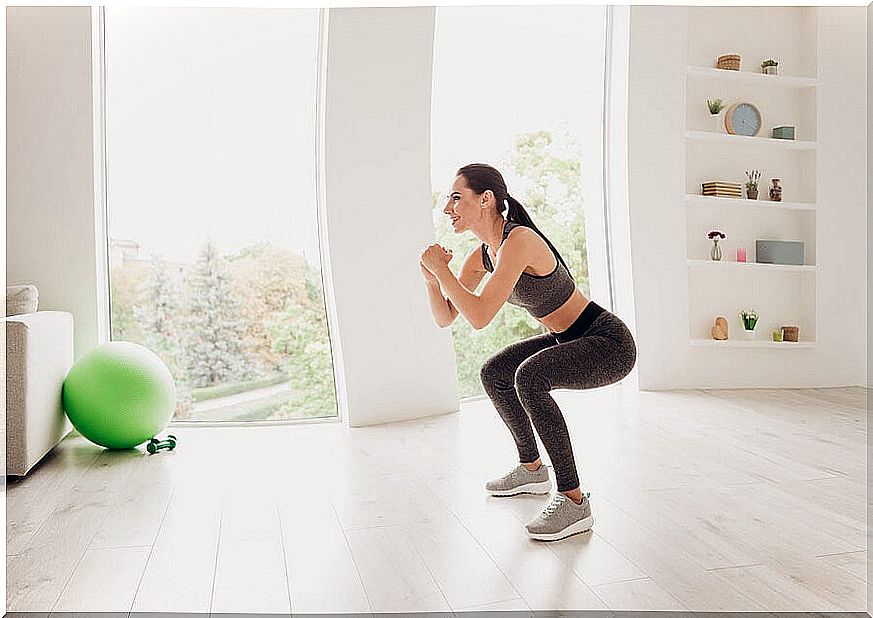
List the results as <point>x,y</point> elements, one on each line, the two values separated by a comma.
<point>561,518</point>
<point>520,480</point>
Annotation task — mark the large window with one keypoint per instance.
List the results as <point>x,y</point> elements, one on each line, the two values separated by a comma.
<point>211,206</point>
<point>521,88</point>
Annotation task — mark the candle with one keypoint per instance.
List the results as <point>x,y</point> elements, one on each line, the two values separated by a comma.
<point>741,254</point>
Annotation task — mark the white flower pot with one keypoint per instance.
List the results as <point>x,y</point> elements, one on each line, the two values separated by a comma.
<point>716,122</point>
<point>750,334</point>
<point>771,70</point>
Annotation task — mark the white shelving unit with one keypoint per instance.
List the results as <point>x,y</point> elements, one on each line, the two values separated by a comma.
<point>706,200</point>
<point>739,343</point>
<point>752,266</point>
<point>727,139</point>
<point>758,79</point>
<point>782,294</point>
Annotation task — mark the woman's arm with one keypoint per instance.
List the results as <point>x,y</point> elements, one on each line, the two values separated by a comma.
<point>439,305</point>
<point>480,310</point>
<point>472,273</point>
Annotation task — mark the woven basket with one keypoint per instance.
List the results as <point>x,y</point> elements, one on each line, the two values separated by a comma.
<point>731,62</point>
<point>789,333</point>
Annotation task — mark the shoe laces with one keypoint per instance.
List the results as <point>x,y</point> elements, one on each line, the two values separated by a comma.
<point>515,472</point>
<point>553,506</point>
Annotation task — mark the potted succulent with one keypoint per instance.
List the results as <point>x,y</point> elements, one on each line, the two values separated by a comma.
<point>750,319</point>
<point>714,236</point>
<point>715,108</point>
<point>752,184</point>
<point>769,66</point>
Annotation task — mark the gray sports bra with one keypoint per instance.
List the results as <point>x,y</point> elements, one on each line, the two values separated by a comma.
<point>539,294</point>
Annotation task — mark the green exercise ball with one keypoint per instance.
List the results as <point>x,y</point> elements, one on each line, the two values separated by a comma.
<point>119,395</point>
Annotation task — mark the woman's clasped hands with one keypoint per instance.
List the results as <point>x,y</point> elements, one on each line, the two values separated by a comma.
<point>433,259</point>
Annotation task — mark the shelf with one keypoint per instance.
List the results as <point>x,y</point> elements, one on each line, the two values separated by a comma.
<point>751,266</point>
<point>740,343</point>
<point>707,200</point>
<point>748,77</point>
<point>728,138</point>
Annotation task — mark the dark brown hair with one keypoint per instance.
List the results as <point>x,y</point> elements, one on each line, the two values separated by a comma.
<point>480,177</point>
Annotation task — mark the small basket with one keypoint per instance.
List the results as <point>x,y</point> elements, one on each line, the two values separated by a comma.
<point>731,62</point>
<point>789,333</point>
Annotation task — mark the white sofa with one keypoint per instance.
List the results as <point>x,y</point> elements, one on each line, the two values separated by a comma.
<point>39,353</point>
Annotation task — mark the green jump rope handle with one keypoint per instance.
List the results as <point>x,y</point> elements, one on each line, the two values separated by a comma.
<point>156,445</point>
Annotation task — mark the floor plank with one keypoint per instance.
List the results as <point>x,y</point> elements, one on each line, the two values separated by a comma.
<point>543,580</point>
<point>36,578</point>
<point>104,581</point>
<point>402,583</point>
<point>31,499</point>
<point>640,594</point>
<point>322,574</point>
<point>181,568</point>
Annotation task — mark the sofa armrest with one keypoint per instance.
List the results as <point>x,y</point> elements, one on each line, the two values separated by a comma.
<point>39,353</point>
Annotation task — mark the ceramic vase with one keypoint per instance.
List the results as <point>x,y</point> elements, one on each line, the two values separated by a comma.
<point>716,122</point>
<point>715,253</point>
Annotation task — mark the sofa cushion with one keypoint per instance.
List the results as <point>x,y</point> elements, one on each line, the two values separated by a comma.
<point>21,299</point>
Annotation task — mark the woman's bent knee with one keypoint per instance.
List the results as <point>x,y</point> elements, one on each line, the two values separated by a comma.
<point>492,372</point>
<point>530,380</point>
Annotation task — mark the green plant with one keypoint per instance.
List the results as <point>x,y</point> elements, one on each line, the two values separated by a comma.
<point>753,176</point>
<point>769,62</point>
<point>749,318</point>
<point>715,106</point>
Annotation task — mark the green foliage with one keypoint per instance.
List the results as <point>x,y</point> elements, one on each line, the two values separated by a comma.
<point>213,329</point>
<point>301,333</point>
<point>126,292</point>
<point>715,106</point>
<point>158,314</point>
<point>226,390</point>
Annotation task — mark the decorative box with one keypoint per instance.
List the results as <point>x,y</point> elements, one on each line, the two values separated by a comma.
<point>779,252</point>
<point>783,132</point>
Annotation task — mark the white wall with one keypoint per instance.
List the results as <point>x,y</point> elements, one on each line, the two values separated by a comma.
<point>3,366</point>
<point>869,302</point>
<point>656,152</point>
<point>50,229</point>
<point>397,363</point>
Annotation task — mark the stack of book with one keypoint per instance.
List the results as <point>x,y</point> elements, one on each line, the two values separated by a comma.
<point>722,189</point>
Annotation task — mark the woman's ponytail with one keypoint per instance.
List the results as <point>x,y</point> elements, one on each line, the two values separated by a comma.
<point>517,214</point>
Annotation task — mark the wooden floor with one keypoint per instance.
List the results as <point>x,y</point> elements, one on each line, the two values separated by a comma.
<point>703,500</point>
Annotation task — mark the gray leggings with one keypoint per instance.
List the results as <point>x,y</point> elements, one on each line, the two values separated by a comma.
<point>519,377</point>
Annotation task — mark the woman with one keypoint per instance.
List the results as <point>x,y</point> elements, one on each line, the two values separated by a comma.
<point>586,346</point>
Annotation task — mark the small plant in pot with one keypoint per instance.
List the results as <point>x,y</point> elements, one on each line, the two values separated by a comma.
<point>769,66</point>
<point>715,108</point>
<point>752,184</point>
<point>750,319</point>
<point>715,236</point>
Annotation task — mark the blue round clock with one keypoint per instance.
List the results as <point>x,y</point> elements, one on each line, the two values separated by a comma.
<point>743,119</point>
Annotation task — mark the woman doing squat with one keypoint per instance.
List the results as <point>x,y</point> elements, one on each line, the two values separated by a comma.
<point>586,347</point>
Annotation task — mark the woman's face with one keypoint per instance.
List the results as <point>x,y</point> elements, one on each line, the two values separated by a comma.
<point>463,206</point>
